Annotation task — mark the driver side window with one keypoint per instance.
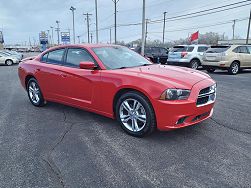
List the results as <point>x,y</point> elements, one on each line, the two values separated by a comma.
<point>77,55</point>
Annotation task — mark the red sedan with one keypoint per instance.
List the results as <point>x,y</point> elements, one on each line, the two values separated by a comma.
<point>118,83</point>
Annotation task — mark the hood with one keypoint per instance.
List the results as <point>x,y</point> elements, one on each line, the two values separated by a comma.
<point>177,77</point>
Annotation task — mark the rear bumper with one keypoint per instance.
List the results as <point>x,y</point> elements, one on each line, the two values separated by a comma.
<point>216,63</point>
<point>172,115</point>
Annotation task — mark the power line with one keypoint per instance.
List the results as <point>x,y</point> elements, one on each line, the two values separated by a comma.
<point>181,17</point>
<point>203,26</point>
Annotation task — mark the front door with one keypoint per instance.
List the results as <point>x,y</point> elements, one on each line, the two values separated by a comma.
<point>79,84</point>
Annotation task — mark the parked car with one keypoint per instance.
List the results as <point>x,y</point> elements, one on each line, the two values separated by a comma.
<point>232,58</point>
<point>187,55</point>
<point>8,60</point>
<point>8,53</point>
<point>116,82</point>
<point>155,54</point>
<point>20,55</point>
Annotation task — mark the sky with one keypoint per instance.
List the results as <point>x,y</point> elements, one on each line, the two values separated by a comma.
<point>22,20</point>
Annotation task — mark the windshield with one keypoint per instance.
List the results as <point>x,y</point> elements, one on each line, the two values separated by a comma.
<point>115,57</point>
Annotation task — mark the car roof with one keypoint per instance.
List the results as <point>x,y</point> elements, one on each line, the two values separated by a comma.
<point>83,46</point>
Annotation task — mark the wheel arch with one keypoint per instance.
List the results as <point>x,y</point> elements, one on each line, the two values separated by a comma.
<point>237,61</point>
<point>196,58</point>
<point>122,91</point>
<point>27,78</point>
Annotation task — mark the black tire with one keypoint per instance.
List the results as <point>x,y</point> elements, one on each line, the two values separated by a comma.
<point>194,64</point>
<point>234,68</point>
<point>8,62</point>
<point>210,69</point>
<point>150,124</point>
<point>41,101</point>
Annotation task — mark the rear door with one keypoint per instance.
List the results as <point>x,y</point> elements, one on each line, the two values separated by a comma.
<point>49,75</point>
<point>249,57</point>
<point>244,56</point>
<point>79,84</point>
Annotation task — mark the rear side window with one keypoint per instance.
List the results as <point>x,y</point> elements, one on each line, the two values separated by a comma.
<point>241,49</point>
<point>77,55</point>
<point>163,51</point>
<point>249,49</point>
<point>202,48</point>
<point>190,48</point>
<point>217,49</point>
<point>55,57</point>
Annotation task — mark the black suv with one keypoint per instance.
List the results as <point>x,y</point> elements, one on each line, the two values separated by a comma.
<point>155,54</point>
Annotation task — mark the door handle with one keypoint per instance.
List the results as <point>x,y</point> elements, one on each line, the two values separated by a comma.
<point>63,76</point>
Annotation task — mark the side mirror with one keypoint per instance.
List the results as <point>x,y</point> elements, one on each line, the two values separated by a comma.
<point>87,65</point>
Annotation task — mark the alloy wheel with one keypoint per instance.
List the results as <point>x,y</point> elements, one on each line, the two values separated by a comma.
<point>34,92</point>
<point>132,115</point>
<point>9,62</point>
<point>235,68</point>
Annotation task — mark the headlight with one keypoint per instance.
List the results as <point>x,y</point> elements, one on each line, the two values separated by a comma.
<point>175,94</point>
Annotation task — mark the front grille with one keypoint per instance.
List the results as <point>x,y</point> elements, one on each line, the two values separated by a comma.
<point>206,96</point>
<point>204,91</point>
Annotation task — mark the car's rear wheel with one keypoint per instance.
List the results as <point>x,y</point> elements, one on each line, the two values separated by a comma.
<point>234,68</point>
<point>9,62</point>
<point>34,93</point>
<point>135,114</point>
<point>194,64</point>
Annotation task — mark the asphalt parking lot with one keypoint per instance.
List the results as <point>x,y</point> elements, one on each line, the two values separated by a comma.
<point>60,146</point>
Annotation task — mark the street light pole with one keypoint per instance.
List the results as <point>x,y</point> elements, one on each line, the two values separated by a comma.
<point>96,8</point>
<point>233,28</point>
<point>164,27</point>
<point>57,29</point>
<point>73,24</point>
<point>143,28</point>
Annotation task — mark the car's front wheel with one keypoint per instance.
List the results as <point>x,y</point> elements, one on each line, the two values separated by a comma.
<point>34,93</point>
<point>135,114</point>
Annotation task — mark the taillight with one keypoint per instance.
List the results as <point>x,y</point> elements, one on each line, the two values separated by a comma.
<point>183,54</point>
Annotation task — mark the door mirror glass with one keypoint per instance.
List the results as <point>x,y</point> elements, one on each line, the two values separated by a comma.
<point>87,65</point>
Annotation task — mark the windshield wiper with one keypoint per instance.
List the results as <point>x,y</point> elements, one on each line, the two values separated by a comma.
<point>122,67</point>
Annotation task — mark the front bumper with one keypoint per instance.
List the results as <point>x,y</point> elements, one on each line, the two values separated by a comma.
<point>169,113</point>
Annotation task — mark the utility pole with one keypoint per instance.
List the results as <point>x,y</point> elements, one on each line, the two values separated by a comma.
<point>248,28</point>
<point>110,35</point>
<point>58,29</point>
<point>115,20</point>
<point>91,37</point>
<point>88,25</point>
<point>48,36</point>
<point>143,28</point>
<point>78,39</point>
<point>52,39</point>
<point>164,27</point>
<point>73,24</point>
<point>96,12</point>
<point>147,21</point>
<point>233,28</point>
